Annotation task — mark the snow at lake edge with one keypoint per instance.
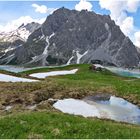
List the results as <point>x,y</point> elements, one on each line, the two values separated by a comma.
<point>10,78</point>
<point>53,73</point>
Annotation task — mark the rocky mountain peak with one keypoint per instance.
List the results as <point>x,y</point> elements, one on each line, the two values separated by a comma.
<point>69,37</point>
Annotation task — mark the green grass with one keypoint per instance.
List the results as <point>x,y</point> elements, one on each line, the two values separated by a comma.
<point>96,81</point>
<point>58,125</point>
<point>84,82</point>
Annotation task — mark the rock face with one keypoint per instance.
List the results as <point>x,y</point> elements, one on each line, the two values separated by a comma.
<point>70,37</point>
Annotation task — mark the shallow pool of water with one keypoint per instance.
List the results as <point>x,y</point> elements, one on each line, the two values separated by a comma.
<point>125,72</point>
<point>108,107</point>
<point>17,69</point>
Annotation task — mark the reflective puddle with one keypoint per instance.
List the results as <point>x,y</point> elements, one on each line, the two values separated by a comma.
<point>101,106</point>
<point>125,72</point>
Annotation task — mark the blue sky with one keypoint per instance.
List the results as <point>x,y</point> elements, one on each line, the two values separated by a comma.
<point>10,10</point>
<point>15,9</point>
<point>129,24</point>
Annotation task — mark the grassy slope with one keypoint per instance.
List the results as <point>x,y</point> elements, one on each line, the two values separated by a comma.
<point>97,81</point>
<point>58,125</point>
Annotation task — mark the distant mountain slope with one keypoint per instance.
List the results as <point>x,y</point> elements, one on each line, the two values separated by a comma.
<point>21,33</point>
<point>9,41</point>
<point>69,37</point>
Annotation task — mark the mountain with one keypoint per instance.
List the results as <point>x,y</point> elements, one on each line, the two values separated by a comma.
<point>69,37</point>
<point>138,49</point>
<point>10,41</point>
<point>21,33</point>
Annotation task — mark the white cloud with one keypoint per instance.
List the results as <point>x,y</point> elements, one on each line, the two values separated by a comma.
<point>132,5</point>
<point>14,24</point>
<point>118,12</point>
<point>137,39</point>
<point>83,5</point>
<point>115,7</point>
<point>10,26</point>
<point>119,9</point>
<point>127,26</point>
<point>42,9</point>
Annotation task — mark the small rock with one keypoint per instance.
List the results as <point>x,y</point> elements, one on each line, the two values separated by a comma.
<point>7,108</point>
<point>45,104</point>
<point>31,107</point>
<point>56,131</point>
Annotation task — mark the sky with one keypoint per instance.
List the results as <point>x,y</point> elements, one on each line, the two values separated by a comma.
<point>125,13</point>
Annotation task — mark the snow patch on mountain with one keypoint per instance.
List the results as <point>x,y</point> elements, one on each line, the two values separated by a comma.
<point>46,48</point>
<point>44,55</point>
<point>8,49</point>
<point>21,33</point>
<point>12,36</point>
<point>45,52</point>
<point>79,56</point>
<point>48,43</point>
<point>51,35</point>
<point>107,26</point>
<point>10,58</point>
<point>69,61</point>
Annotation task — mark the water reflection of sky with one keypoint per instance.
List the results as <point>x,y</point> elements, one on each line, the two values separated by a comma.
<point>125,72</point>
<point>115,108</point>
<point>17,69</point>
<point>119,71</point>
<point>12,68</point>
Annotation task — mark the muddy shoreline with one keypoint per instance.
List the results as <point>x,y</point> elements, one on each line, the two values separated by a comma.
<point>21,101</point>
